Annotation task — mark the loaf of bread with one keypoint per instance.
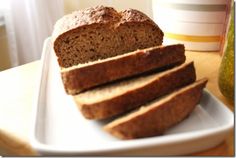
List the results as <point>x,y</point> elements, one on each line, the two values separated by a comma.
<point>156,117</point>
<point>85,76</point>
<point>101,32</point>
<point>116,98</point>
<point>113,62</point>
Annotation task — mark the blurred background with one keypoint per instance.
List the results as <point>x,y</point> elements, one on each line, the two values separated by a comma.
<point>24,24</point>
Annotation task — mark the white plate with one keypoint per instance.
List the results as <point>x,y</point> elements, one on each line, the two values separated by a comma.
<point>59,128</point>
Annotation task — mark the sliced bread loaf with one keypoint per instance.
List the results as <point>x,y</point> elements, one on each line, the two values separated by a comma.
<point>84,76</point>
<point>101,32</point>
<point>156,117</point>
<point>116,98</point>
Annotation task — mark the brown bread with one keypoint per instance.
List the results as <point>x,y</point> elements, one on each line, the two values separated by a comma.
<point>101,32</point>
<point>156,117</point>
<point>84,76</point>
<point>116,98</point>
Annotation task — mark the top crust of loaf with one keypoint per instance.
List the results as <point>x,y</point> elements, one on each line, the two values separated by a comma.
<point>98,15</point>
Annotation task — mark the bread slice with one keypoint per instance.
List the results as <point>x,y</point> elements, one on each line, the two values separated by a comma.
<point>85,76</point>
<point>116,98</point>
<point>156,117</point>
<point>101,32</point>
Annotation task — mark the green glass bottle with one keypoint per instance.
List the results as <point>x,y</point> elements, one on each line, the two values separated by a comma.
<point>226,71</point>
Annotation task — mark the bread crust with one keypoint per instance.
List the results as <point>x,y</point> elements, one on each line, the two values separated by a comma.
<point>82,78</point>
<point>98,15</point>
<point>158,116</point>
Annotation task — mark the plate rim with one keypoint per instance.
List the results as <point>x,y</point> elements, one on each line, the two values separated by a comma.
<point>133,144</point>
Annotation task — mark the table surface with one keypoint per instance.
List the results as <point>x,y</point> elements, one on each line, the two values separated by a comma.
<point>18,86</point>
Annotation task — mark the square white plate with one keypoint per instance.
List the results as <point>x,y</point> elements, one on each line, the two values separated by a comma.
<point>58,128</point>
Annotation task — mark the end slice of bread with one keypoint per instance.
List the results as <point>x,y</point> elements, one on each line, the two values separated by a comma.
<point>85,76</point>
<point>113,99</point>
<point>156,117</point>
